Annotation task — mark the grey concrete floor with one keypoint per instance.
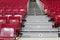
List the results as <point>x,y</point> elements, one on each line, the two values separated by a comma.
<point>34,9</point>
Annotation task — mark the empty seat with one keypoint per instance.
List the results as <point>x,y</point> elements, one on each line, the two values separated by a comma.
<point>3,20</point>
<point>1,14</point>
<point>7,32</point>
<point>21,14</point>
<point>13,19</point>
<point>7,14</point>
<point>56,21</point>
<point>12,29</point>
<point>52,7</point>
<point>12,12</point>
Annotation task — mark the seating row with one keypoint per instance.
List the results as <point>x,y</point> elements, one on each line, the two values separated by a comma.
<point>12,16</point>
<point>52,9</point>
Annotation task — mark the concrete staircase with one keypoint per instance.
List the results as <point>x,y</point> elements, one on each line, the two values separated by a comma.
<point>37,25</point>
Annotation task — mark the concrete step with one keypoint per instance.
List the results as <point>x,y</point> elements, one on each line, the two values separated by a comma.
<point>39,23</point>
<point>39,29</point>
<point>37,19</point>
<point>39,35</point>
<point>38,26</point>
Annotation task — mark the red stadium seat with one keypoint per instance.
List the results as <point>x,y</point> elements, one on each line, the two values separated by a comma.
<point>21,14</point>
<point>15,21</point>
<point>13,27</point>
<point>3,20</point>
<point>56,21</point>
<point>7,14</point>
<point>53,10</point>
<point>12,12</point>
<point>1,14</point>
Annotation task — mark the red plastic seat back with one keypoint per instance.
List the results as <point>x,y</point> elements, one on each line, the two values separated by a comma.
<point>13,19</point>
<point>10,25</point>
<point>8,14</point>
<point>51,3</point>
<point>17,5</point>
<point>20,14</point>
<point>3,20</point>
<point>57,19</point>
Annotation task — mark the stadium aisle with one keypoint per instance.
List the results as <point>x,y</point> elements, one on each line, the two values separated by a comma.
<point>37,25</point>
